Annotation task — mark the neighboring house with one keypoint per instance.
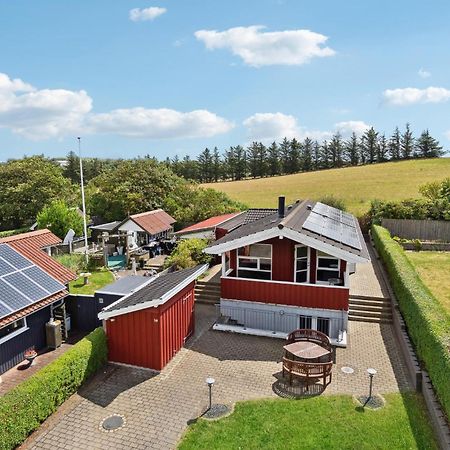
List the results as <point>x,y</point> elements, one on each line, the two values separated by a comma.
<point>147,227</point>
<point>289,269</point>
<point>206,229</point>
<point>32,290</point>
<point>148,326</point>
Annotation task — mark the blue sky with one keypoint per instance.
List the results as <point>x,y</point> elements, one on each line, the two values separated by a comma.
<point>190,74</point>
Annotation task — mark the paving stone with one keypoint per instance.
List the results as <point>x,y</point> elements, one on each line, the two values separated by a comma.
<point>158,407</point>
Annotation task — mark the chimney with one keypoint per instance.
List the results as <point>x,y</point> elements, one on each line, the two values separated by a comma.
<point>281,206</point>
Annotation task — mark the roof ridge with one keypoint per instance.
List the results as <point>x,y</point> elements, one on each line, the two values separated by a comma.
<point>153,211</point>
<point>295,207</point>
<point>26,235</point>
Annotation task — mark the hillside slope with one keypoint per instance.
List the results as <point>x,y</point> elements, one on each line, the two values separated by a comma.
<point>357,186</point>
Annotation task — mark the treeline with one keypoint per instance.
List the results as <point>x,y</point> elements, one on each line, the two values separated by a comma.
<point>292,156</point>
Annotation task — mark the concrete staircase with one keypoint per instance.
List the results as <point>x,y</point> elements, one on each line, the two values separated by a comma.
<point>207,292</point>
<point>370,309</point>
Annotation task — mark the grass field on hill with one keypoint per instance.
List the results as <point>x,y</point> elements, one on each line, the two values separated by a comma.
<point>357,186</point>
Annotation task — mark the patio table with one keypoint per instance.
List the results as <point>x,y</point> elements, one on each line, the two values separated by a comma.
<point>306,350</point>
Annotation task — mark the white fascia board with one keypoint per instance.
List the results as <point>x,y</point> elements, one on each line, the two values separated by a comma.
<point>131,225</point>
<point>290,234</point>
<point>240,242</point>
<point>106,314</point>
<point>322,246</point>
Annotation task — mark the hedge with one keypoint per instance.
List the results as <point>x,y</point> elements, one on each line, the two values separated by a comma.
<point>26,406</point>
<point>427,321</point>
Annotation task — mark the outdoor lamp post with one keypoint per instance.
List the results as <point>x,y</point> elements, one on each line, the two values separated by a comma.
<point>372,373</point>
<point>210,382</point>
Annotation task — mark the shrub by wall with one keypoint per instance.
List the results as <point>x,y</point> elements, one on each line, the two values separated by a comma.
<point>427,321</point>
<point>26,406</point>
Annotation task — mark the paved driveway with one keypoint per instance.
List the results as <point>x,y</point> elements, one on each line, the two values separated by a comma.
<point>158,407</point>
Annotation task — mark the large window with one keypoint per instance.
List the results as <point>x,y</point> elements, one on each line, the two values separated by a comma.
<point>323,325</point>
<point>13,329</point>
<point>306,322</point>
<point>255,261</point>
<point>327,269</point>
<point>301,264</point>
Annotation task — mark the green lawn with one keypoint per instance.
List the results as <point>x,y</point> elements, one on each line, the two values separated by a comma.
<point>434,270</point>
<point>97,280</point>
<point>357,186</point>
<point>327,422</point>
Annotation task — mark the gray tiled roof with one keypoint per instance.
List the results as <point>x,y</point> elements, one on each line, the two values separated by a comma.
<point>246,217</point>
<point>124,285</point>
<point>155,289</point>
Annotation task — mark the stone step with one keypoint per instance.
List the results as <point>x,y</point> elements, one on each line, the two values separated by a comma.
<point>372,314</point>
<point>368,297</point>
<point>384,303</point>
<point>371,308</point>
<point>208,283</point>
<point>369,319</point>
<point>208,288</point>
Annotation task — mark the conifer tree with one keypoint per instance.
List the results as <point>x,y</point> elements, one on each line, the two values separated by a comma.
<point>262,158</point>
<point>216,165</point>
<point>407,143</point>
<point>294,156</point>
<point>394,145</point>
<point>351,150</point>
<point>370,144</point>
<point>325,157</point>
<point>253,159</point>
<point>205,165</point>
<point>72,168</point>
<point>335,150</point>
<point>316,156</point>
<point>307,159</point>
<point>240,162</point>
<point>382,149</point>
<point>273,161</point>
<point>427,146</point>
<point>285,155</point>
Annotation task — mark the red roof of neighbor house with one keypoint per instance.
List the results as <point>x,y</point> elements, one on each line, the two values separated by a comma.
<point>31,244</point>
<point>32,308</point>
<point>212,222</point>
<point>154,222</point>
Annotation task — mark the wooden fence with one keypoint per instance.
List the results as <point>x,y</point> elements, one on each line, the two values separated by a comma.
<point>424,230</point>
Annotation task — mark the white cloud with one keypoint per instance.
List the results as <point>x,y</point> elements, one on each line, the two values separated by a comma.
<point>144,14</point>
<point>350,126</point>
<point>262,48</point>
<point>271,126</point>
<point>39,114</point>
<point>159,123</point>
<point>447,134</point>
<point>268,127</point>
<point>47,113</point>
<point>424,73</point>
<point>411,96</point>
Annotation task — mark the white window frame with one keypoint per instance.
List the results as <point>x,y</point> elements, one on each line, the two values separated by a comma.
<point>308,264</point>
<point>318,267</point>
<point>258,262</point>
<point>17,332</point>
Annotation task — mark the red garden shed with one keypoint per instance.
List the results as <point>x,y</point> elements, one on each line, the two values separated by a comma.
<point>147,327</point>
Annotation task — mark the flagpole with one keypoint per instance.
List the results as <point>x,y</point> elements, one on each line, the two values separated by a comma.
<point>83,203</point>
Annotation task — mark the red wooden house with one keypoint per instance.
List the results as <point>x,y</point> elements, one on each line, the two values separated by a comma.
<point>147,327</point>
<point>289,268</point>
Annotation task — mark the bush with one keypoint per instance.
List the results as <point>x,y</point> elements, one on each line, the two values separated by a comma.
<point>26,406</point>
<point>427,321</point>
<point>333,201</point>
<point>188,253</point>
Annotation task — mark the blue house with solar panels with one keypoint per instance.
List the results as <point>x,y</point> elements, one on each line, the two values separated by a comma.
<point>29,298</point>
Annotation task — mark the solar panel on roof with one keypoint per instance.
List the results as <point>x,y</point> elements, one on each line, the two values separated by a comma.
<point>44,280</point>
<point>32,290</point>
<point>10,297</point>
<point>4,310</point>
<point>22,283</point>
<point>333,224</point>
<point>5,268</point>
<point>13,257</point>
